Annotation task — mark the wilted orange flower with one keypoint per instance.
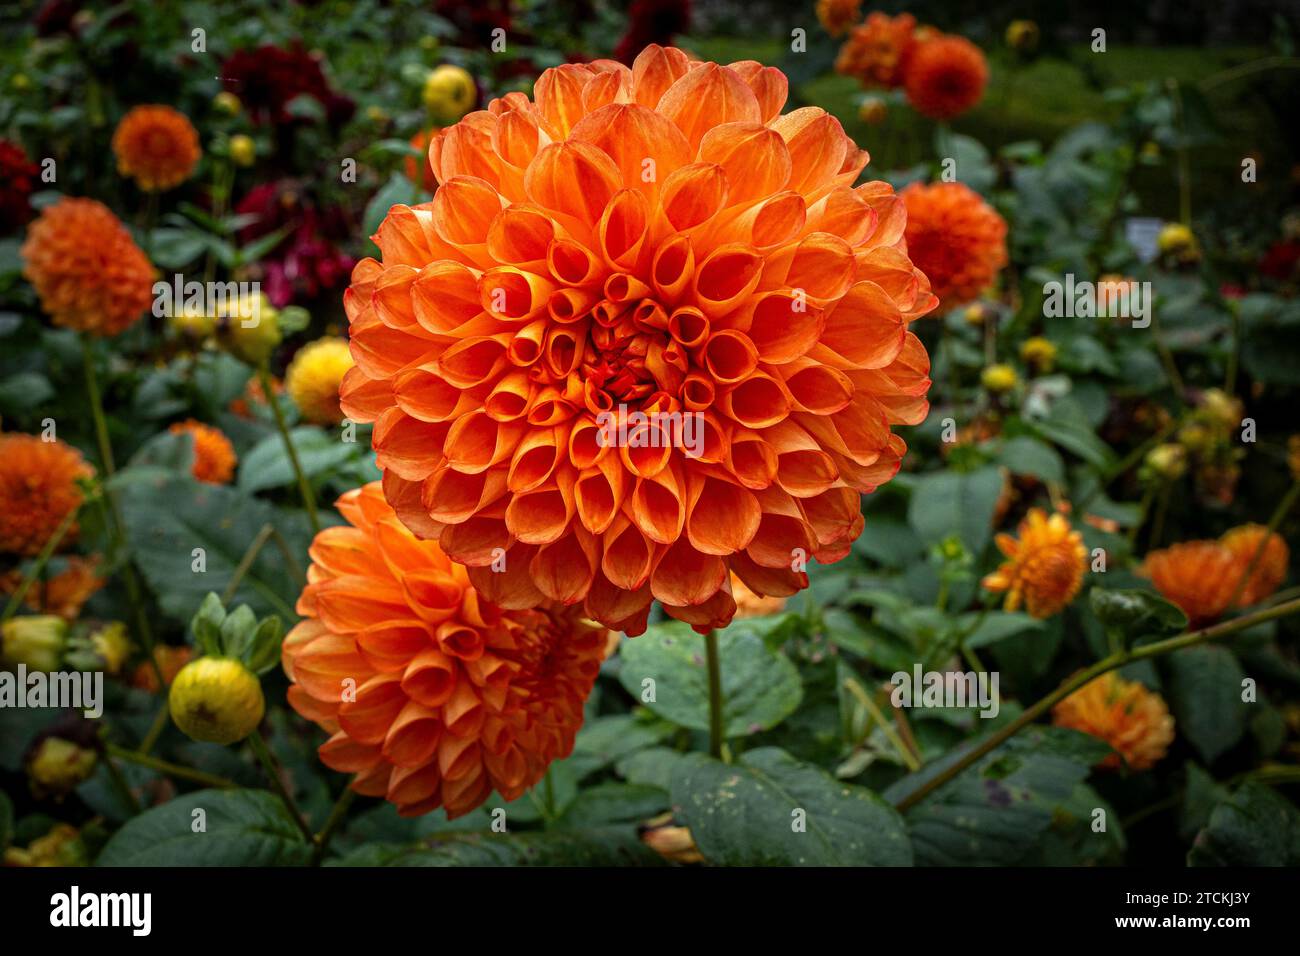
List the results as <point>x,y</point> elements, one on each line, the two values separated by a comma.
<point>86,268</point>
<point>1270,569</point>
<point>1198,576</point>
<point>214,456</point>
<point>1133,720</point>
<point>38,490</point>
<point>1045,565</point>
<point>957,239</point>
<point>63,593</point>
<point>945,76</point>
<point>418,170</point>
<point>836,16</point>
<point>876,51</point>
<point>170,661</point>
<point>657,239</point>
<point>156,146</point>
<point>434,696</point>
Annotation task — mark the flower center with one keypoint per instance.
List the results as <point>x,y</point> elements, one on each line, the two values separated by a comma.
<point>630,358</point>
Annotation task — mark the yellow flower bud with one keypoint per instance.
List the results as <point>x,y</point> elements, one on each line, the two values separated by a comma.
<point>1038,352</point>
<point>313,379</point>
<point>242,150</point>
<point>62,846</point>
<point>1168,461</point>
<point>1022,36</point>
<point>113,645</point>
<point>1178,241</point>
<point>999,378</point>
<point>58,766</point>
<point>192,323</point>
<point>227,102</point>
<point>449,92</point>
<point>217,700</point>
<point>975,314</point>
<point>376,114</point>
<point>34,640</point>
<point>20,82</point>
<point>249,329</point>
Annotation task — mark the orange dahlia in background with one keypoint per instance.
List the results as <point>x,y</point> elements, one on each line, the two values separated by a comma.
<point>876,50</point>
<point>836,16</point>
<point>170,661</point>
<point>434,696</point>
<point>1270,569</point>
<point>655,239</point>
<point>63,593</point>
<point>1133,720</point>
<point>156,146</point>
<point>749,604</point>
<point>214,455</point>
<point>957,239</point>
<point>88,271</point>
<point>38,491</point>
<point>945,76</point>
<point>1198,576</point>
<point>1044,567</point>
<point>418,170</point>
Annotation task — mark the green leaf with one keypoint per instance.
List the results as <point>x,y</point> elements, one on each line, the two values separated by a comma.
<point>168,516</point>
<point>993,812</point>
<point>603,740</point>
<point>1067,425</point>
<point>760,687</point>
<point>1028,456</point>
<point>613,802</point>
<point>165,450</point>
<point>24,391</point>
<point>397,190</point>
<point>996,626</point>
<point>240,828</point>
<point>947,502</point>
<point>264,650</point>
<point>602,847</point>
<point>1205,694</point>
<point>206,624</point>
<point>771,810</point>
<point>1130,614</point>
<point>653,767</point>
<point>268,464</point>
<point>237,631</point>
<point>1254,827</point>
<point>1201,795</point>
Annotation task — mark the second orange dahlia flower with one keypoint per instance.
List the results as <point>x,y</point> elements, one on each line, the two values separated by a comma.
<point>945,76</point>
<point>957,239</point>
<point>38,490</point>
<point>156,146</point>
<point>1044,567</point>
<point>877,50</point>
<point>656,241</point>
<point>434,696</point>
<point>214,455</point>
<point>1133,720</point>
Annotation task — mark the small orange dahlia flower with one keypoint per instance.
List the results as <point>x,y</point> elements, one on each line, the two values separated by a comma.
<point>1133,720</point>
<point>657,248</point>
<point>1198,576</point>
<point>214,455</point>
<point>418,169</point>
<point>64,593</point>
<point>156,146</point>
<point>957,239</point>
<point>88,271</point>
<point>1045,565</point>
<point>1270,570</point>
<point>433,695</point>
<point>875,52</point>
<point>945,76</point>
<point>836,16</point>
<point>170,661</point>
<point>38,490</point>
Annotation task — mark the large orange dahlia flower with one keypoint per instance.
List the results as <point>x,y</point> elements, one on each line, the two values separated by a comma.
<point>656,239</point>
<point>38,490</point>
<point>945,76</point>
<point>434,696</point>
<point>88,271</point>
<point>957,239</point>
<point>156,146</point>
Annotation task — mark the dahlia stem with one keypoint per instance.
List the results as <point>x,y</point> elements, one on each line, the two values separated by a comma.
<point>1278,516</point>
<point>332,824</point>
<point>51,545</point>
<point>909,759</point>
<point>304,486</point>
<point>119,781</point>
<point>272,768</point>
<point>155,729</point>
<point>169,768</point>
<point>715,694</point>
<point>1073,683</point>
<point>246,562</point>
<point>116,528</point>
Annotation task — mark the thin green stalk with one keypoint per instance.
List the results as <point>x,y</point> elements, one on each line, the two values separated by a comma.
<point>155,729</point>
<point>715,694</point>
<point>246,562</point>
<point>171,769</point>
<point>1073,683</point>
<point>272,768</point>
<point>304,486</point>
<point>336,816</point>
<point>863,698</point>
<point>51,545</point>
<point>119,781</point>
<point>1279,515</point>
